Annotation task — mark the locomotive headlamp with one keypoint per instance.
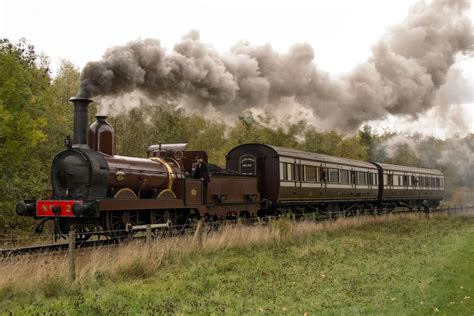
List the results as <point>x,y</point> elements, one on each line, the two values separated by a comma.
<point>83,210</point>
<point>77,209</point>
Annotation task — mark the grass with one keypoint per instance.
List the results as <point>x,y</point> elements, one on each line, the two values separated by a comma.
<point>389,265</point>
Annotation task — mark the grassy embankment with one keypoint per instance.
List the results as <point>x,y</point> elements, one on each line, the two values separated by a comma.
<point>391,265</point>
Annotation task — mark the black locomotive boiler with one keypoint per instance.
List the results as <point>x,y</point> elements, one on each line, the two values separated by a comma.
<point>95,190</point>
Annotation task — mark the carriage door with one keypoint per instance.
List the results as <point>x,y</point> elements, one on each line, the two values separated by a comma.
<point>298,172</point>
<point>353,181</point>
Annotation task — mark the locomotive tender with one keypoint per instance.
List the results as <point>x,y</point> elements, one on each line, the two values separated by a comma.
<point>94,189</point>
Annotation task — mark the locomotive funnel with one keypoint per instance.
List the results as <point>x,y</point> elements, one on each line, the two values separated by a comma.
<point>81,110</point>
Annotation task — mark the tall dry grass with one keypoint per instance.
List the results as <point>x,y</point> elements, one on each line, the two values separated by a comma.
<point>48,273</point>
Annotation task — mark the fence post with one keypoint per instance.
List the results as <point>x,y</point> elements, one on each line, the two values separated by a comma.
<point>293,217</point>
<point>148,233</point>
<point>198,233</point>
<point>71,255</point>
<point>269,221</point>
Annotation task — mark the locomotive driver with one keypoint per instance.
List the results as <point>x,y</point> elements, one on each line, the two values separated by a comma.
<point>200,171</point>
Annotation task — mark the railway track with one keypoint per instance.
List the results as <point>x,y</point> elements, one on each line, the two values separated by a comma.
<point>53,247</point>
<point>64,246</point>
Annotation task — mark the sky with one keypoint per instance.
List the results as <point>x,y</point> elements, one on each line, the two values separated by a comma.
<point>341,32</point>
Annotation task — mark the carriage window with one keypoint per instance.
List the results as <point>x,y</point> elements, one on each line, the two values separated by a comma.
<point>390,179</point>
<point>310,173</point>
<point>362,177</point>
<point>298,172</point>
<point>395,180</point>
<point>333,175</point>
<point>414,180</point>
<point>344,176</point>
<point>318,174</point>
<point>289,171</point>
<point>405,180</point>
<point>284,171</point>
<point>372,178</point>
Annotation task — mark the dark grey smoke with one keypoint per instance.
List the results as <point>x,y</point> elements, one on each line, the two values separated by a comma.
<point>455,151</point>
<point>409,64</point>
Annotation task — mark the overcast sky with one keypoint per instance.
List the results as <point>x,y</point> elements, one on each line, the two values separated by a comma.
<point>340,31</point>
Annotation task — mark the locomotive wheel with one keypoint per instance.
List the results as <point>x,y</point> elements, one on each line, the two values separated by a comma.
<point>116,222</point>
<point>159,217</point>
<point>179,218</point>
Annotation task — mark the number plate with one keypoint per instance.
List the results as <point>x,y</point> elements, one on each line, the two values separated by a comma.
<point>44,208</point>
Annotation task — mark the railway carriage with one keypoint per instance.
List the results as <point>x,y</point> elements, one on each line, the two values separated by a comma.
<point>289,178</point>
<point>409,186</point>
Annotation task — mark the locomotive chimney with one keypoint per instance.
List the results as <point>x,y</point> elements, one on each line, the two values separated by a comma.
<point>81,110</point>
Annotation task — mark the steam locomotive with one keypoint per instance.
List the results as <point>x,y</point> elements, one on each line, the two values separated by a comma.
<point>94,189</point>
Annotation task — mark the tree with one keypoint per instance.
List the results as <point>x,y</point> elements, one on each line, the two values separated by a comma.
<point>23,99</point>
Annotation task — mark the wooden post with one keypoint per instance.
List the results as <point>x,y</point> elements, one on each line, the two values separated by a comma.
<point>198,233</point>
<point>148,233</point>
<point>293,217</point>
<point>71,255</point>
<point>269,221</point>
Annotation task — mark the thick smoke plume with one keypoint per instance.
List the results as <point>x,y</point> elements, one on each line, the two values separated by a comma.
<point>433,153</point>
<point>408,65</point>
